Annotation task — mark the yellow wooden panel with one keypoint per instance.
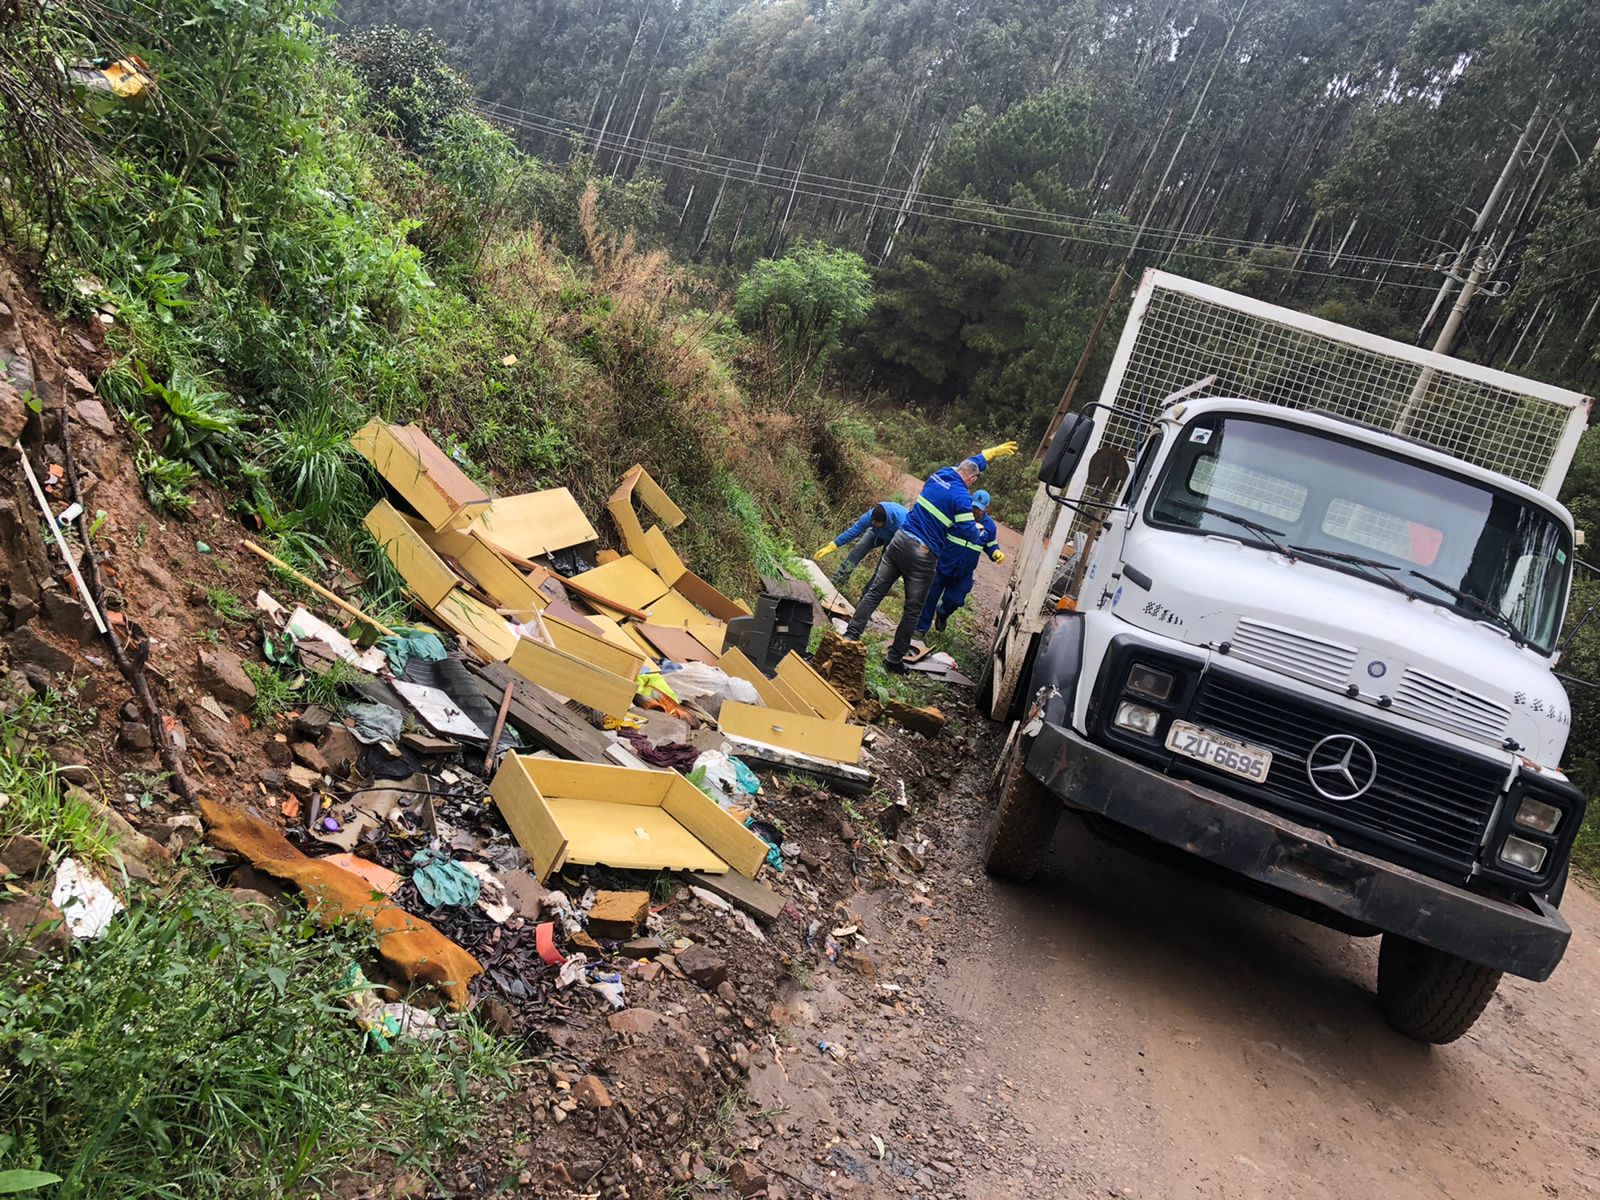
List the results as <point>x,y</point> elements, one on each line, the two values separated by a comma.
<point>485,629</point>
<point>653,497</point>
<point>618,660</point>
<point>722,833</point>
<point>813,688</point>
<point>790,731</point>
<point>701,594</point>
<point>630,838</point>
<point>621,637</point>
<point>602,557</point>
<point>620,506</point>
<point>535,523</point>
<point>426,477</point>
<point>793,701</point>
<point>664,559</point>
<point>600,781</point>
<point>735,662</point>
<point>509,587</point>
<point>530,819</point>
<point>627,582</point>
<point>710,634</point>
<point>572,677</point>
<point>673,609</point>
<point>425,574</point>
<point>631,632</point>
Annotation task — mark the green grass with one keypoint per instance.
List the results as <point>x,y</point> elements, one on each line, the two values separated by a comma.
<point>193,1051</point>
<point>328,688</point>
<point>226,605</point>
<point>274,693</point>
<point>36,803</point>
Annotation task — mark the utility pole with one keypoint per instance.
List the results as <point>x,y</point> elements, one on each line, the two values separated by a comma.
<point>1481,266</point>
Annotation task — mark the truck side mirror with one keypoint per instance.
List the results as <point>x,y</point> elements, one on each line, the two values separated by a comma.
<point>1061,457</point>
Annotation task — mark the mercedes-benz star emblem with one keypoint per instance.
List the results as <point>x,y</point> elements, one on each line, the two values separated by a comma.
<point>1341,767</point>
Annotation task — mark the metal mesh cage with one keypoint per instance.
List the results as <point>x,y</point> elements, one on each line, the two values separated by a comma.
<point>1185,337</point>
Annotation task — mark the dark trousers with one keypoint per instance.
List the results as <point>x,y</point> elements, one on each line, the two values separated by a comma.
<point>903,558</point>
<point>865,545</point>
<point>948,593</point>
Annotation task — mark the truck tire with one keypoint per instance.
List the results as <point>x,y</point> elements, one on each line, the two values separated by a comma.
<point>1024,820</point>
<point>1429,995</point>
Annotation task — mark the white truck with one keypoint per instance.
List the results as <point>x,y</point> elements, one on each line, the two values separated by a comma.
<point>1289,600</point>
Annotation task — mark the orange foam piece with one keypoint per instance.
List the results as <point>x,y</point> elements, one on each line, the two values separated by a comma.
<point>407,944</point>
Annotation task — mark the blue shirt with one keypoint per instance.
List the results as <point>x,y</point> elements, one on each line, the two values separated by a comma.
<point>944,506</point>
<point>894,518</point>
<point>962,548</point>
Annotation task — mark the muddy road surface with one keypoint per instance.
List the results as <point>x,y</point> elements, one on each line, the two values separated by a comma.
<point>1121,1027</point>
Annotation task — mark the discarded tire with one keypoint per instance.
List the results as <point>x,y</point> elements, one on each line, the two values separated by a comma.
<point>1024,819</point>
<point>1430,995</point>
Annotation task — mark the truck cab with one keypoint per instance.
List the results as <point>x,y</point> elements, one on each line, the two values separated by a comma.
<point>1317,656</point>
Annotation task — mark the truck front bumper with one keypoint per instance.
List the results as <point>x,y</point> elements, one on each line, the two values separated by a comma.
<point>1304,862</point>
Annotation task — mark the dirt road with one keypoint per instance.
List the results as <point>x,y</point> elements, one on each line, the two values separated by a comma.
<point>1123,1028</point>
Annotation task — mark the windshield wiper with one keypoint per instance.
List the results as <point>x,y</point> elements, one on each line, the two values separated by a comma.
<point>1373,569</point>
<point>1268,535</point>
<point>1495,616</point>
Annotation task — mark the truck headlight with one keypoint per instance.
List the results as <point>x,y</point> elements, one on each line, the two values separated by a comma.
<point>1150,681</point>
<point>1136,718</point>
<point>1538,816</point>
<point>1523,854</point>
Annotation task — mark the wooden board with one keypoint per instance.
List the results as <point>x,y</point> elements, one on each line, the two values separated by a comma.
<point>530,819</point>
<point>790,731</point>
<point>593,648</point>
<point>793,701</point>
<point>840,777</point>
<point>562,610</point>
<point>757,899</point>
<point>673,609</point>
<point>736,663</point>
<point>664,559</point>
<point>703,596</point>
<point>483,629</point>
<point>425,573</point>
<point>567,675</point>
<point>636,481</point>
<point>629,838</point>
<point>816,691</point>
<point>716,828</point>
<point>491,571</point>
<point>601,782</point>
<point>424,476</point>
<point>621,636</point>
<point>710,634</point>
<point>535,523</point>
<point>677,644</point>
<point>627,583</point>
<point>536,715</point>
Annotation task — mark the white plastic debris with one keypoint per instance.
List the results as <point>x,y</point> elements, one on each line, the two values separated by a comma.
<point>87,905</point>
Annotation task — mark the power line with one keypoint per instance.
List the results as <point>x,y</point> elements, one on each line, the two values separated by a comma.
<point>931,207</point>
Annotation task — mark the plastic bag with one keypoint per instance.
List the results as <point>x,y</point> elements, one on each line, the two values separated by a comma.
<point>725,779</point>
<point>710,686</point>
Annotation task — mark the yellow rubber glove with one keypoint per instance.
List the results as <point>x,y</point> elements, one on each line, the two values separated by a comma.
<point>823,551</point>
<point>1003,450</point>
<point>999,556</point>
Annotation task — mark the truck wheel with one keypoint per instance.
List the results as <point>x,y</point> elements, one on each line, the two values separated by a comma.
<point>1023,822</point>
<point>1430,995</point>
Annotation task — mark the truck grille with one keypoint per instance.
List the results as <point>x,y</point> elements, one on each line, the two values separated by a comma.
<point>1443,704</point>
<point>1429,800</point>
<point>1328,664</point>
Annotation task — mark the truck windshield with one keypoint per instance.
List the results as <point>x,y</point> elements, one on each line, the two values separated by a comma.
<point>1453,541</point>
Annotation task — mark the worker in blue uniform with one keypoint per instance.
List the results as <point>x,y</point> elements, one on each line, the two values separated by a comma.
<point>952,579</point>
<point>943,508</point>
<point>876,527</point>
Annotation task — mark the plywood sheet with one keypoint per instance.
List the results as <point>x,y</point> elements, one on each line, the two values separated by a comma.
<point>702,595</point>
<point>593,648</point>
<point>569,676</point>
<point>483,628</point>
<point>629,837</point>
<point>636,481</point>
<point>425,573</point>
<point>491,571</point>
<point>790,731</point>
<point>664,559</point>
<point>424,476</point>
<point>600,781</point>
<point>710,634</point>
<point>627,582</point>
<point>673,609</point>
<point>620,636</point>
<point>535,523</point>
<point>816,691</point>
<point>793,701</point>
<point>677,644</point>
<point>736,663</point>
<point>716,829</point>
<point>530,819</point>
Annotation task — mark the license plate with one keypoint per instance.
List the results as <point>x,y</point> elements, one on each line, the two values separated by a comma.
<point>1236,758</point>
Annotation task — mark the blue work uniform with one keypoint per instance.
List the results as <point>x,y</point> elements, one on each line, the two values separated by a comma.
<point>867,538</point>
<point>944,508</point>
<point>952,581</point>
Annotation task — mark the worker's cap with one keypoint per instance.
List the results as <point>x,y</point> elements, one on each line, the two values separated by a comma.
<point>971,465</point>
<point>980,499</point>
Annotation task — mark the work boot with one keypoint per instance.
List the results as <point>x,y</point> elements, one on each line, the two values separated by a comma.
<point>921,633</point>
<point>940,621</point>
<point>894,667</point>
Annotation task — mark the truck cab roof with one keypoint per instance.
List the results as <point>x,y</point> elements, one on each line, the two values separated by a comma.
<point>1371,435</point>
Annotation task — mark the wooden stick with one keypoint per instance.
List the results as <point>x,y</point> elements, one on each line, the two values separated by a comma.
<point>61,544</point>
<point>499,728</point>
<point>316,587</point>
